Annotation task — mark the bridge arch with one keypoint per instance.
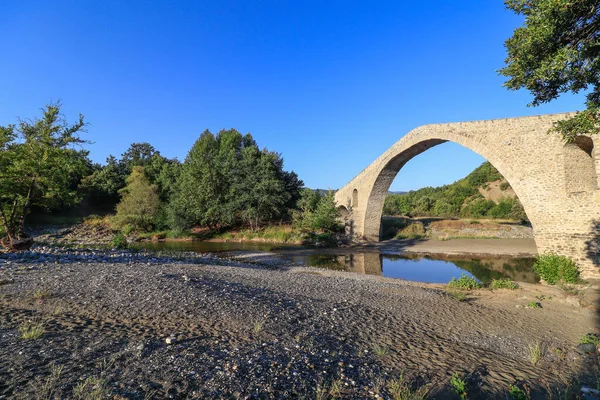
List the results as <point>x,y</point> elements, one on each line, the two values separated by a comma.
<point>556,184</point>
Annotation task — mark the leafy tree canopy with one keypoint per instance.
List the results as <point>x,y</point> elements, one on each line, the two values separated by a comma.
<point>557,50</point>
<point>41,164</point>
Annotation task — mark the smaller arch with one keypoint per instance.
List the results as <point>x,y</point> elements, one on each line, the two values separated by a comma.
<point>343,212</point>
<point>579,167</point>
<point>355,198</point>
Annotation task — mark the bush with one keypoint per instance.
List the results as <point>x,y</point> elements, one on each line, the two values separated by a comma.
<point>503,284</point>
<point>504,186</point>
<point>415,230</point>
<point>464,282</point>
<point>119,241</point>
<point>553,268</point>
<point>590,338</point>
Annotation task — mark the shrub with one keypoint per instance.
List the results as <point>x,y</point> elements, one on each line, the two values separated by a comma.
<point>553,268</point>
<point>458,295</point>
<point>414,230</point>
<point>517,393</point>
<point>503,284</point>
<point>534,304</point>
<point>464,282</point>
<point>459,385</point>
<point>119,241</point>
<point>590,338</point>
<point>504,185</point>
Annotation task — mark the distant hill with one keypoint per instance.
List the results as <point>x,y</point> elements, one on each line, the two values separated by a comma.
<point>484,193</point>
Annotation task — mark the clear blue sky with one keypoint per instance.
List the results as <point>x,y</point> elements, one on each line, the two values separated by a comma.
<point>330,85</point>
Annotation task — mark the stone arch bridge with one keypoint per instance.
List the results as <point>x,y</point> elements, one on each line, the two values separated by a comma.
<point>557,184</point>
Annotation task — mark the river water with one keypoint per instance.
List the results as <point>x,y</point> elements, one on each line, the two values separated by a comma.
<point>411,267</point>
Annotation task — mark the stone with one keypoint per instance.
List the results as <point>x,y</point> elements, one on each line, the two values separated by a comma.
<point>171,340</point>
<point>585,348</point>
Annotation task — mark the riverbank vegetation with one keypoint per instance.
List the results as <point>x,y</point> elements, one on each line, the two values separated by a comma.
<point>484,193</point>
<point>225,184</point>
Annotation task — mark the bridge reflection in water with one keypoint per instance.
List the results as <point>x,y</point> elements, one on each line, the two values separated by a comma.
<point>425,269</point>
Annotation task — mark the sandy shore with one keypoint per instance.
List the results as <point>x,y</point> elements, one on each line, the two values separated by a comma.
<point>508,247</point>
<point>279,331</point>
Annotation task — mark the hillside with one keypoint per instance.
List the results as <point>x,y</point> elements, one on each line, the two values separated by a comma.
<point>484,193</point>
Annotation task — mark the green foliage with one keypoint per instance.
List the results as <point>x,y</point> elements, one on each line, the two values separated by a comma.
<point>534,304</point>
<point>139,205</point>
<point>556,51</point>
<point>516,393</point>
<point>504,186</point>
<point>460,199</point>
<point>503,284</point>
<point>119,241</point>
<point>459,385</point>
<point>317,213</point>
<point>400,389</point>
<point>553,268</point>
<point>465,282</point>
<point>457,294</point>
<point>32,330</point>
<point>590,338</point>
<point>41,166</point>
<point>227,180</point>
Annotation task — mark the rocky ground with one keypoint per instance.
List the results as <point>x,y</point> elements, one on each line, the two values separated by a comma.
<point>138,326</point>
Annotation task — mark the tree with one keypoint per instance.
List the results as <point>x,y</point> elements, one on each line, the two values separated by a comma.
<point>139,204</point>
<point>556,51</point>
<point>226,180</point>
<point>40,165</point>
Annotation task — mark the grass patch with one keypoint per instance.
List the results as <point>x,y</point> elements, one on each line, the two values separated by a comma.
<point>258,326</point>
<point>516,393</point>
<point>32,330</point>
<point>590,338</point>
<point>275,234</point>
<point>400,389</point>
<point>536,352</point>
<point>534,304</point>
<point>464,283</point>
<point>414,230</point>
<point>41,294</point>
<point>503,284</point>
<point>380,351</point>
<point>458,295</point>
<point>47,389</point>
<point>93,388</point>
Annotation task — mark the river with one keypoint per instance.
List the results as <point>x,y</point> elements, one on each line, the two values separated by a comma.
<point>412,267</point>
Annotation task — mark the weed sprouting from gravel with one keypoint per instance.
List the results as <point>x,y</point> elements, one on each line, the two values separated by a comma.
<point>45,390</point>
<point>380,351</point>
<point>459,385</point>
<point>400,389</point>
<point>32,330</point>
<point>536,352</point>
<point>590,338</point>
<point>516,393</point>
<point>534,304</point>
<point>93,388</point>
<point>258,326</point>
<point>41,294</point>
<point>458,295</point>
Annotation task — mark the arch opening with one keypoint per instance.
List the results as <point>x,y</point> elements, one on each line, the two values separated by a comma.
<point>472,200</point>
<point>354,198</point>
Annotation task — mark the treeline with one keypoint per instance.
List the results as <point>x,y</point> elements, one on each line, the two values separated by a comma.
<point>225,181</point>
<point>460,199</point>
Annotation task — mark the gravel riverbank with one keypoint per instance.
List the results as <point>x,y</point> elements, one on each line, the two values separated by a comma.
<point>139,325</point>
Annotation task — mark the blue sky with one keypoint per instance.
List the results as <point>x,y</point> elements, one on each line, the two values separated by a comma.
<point>330,85</point>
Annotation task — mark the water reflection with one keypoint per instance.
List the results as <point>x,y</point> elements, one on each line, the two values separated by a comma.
<point>425,269</point>
<point>411,267</point>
